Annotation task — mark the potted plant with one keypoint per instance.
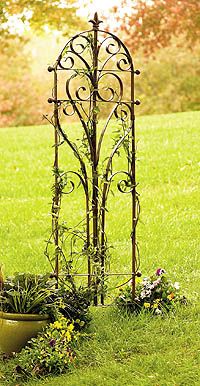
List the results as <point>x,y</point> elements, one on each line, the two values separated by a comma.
<point>26,308</point>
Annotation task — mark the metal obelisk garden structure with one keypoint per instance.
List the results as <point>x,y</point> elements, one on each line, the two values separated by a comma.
<point>94,79</point>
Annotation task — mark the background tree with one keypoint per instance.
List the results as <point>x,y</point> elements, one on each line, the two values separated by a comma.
<point>56,14</point>
<point>163,36</point>
<point>150,25</point>
<point>24,88</point>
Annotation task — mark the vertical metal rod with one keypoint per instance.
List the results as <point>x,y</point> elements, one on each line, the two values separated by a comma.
<point>103,244</point>
<point>88,238</point>
<point>95,162</point>
<point>134,220</point>
<point>56,196</point>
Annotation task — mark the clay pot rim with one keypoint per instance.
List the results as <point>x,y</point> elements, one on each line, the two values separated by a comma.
<point>23,317</point>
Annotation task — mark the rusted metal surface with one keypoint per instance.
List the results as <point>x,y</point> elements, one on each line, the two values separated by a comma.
<point>81,60</point>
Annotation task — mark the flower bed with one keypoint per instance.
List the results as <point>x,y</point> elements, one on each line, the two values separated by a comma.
<point>156,294</point>
<point>52,351</point>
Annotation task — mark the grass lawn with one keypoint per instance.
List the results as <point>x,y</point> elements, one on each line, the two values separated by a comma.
<point>123,351</point>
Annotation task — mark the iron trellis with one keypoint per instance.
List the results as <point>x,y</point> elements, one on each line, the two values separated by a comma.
<point>88,59</point>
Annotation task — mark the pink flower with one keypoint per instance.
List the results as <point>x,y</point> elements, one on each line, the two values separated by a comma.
<point>155,283</point>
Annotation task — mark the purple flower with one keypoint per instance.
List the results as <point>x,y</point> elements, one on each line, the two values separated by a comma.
<point>52,342</point>
<point>160,271</point>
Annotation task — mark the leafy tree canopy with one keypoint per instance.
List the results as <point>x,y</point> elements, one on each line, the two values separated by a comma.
<point>151,24</point>
<point>56,14</point>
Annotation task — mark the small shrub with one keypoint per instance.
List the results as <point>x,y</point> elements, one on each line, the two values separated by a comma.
<point>156,294</point>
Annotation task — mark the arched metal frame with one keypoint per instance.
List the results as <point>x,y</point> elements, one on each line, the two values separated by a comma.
<point>83,48</point>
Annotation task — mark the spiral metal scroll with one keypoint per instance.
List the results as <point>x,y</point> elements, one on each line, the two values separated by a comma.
<point>90,60</point>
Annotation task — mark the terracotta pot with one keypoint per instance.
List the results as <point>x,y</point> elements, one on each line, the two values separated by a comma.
<point>17,329</point>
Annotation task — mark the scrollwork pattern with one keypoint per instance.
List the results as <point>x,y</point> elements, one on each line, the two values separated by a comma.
<point>122,111</point>
<point>66,109</point>
<point>80,48</point>
<point>123,184</point>
<point>115,93</point>
<point>74,49</point>
<point>68,182</point>
<point>116,50</point>
<point>80,89</point>
<point>125,61</point>
<point>112,46</point>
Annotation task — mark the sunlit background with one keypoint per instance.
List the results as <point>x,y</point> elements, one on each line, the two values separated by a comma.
<point>162,37</point>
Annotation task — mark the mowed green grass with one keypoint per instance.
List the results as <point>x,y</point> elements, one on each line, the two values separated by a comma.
<point>123,351</point>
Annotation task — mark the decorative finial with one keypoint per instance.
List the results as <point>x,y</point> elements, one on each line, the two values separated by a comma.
<point>96,21</point>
